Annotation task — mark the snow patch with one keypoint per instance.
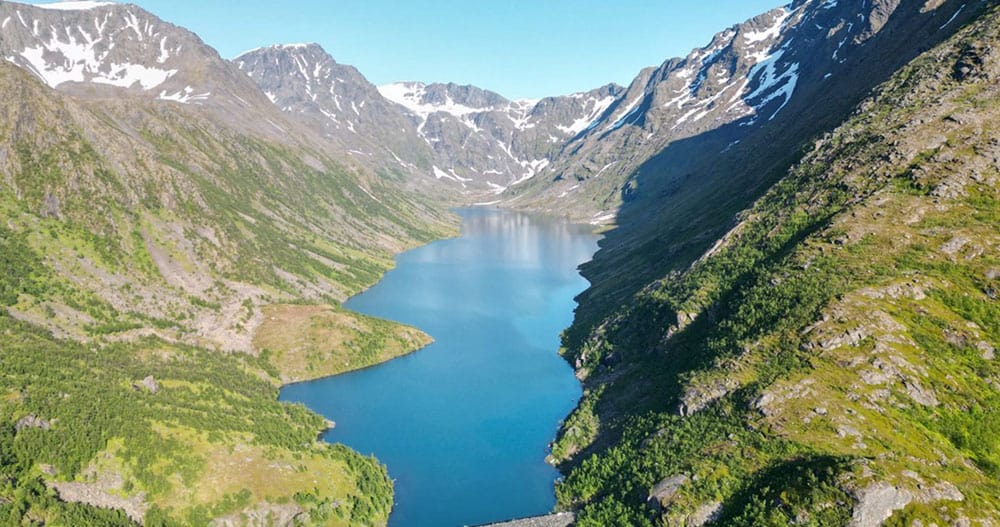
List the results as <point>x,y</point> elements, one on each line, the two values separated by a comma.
<point>773,31</point>
<point>370,195</point>
<point>80,62</point>
<point>127,75</point>
<point>410,96</point>
<point>441,174</point>
<point>532,167</point>
<point>588,121</point>
<point>602,217</point>
<point>953,17</point>
<point>632,107</point>
<point>187,96</point>
<point>771,82</point>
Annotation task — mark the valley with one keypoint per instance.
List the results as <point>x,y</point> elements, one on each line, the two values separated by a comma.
<point>791,318</point>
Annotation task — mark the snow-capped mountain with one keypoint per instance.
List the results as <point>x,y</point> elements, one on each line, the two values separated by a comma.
<point>103,50</point>
<point>763,76</point>
<point>337,101</point>
<point>581,153</point>
<point>467,138</point>
<point>478,135</point>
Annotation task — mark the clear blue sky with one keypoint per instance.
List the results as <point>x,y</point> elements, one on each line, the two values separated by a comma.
<point>518,48</point>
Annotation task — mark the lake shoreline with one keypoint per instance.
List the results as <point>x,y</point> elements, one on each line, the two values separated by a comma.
<point>544,241</point>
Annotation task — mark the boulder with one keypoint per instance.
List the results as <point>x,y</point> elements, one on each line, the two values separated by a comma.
<point>32,421</point>
<point>876,504</point>
<point>148,383</point>
<point>663,492</point>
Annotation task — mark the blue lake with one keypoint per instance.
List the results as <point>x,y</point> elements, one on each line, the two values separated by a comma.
<point>464,424</point>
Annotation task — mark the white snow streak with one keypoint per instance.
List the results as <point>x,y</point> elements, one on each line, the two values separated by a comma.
<point>588,121</point>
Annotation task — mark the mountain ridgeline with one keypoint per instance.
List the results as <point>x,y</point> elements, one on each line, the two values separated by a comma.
<point>793,321</point>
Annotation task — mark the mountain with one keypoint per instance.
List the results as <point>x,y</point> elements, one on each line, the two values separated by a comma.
<point>102,50</point>
<point>802,329</point>
<point>794,320</point>
<point>474,141</point>
<point>338,102</point>
<point>152,237</point>
<point>479,135</point>
<point>756,79</point>
<point>673,193</point>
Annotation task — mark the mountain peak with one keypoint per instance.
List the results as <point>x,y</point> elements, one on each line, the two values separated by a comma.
<point>284,48</point>
<point>72,5</point>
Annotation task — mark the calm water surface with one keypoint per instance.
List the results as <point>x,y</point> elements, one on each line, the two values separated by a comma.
<point>464,424</point>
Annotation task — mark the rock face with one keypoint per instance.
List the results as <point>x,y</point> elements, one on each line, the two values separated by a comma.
<point>337,101</point>
<point>876,504</point>
<point>749,78</point>
<point>478,135</point>
<point>95,49</point>
<point>467,138</point>
<point>690,132</point>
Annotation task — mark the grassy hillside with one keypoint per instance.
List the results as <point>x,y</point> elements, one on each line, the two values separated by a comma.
<point>145,250</point>
<point>831,359</point>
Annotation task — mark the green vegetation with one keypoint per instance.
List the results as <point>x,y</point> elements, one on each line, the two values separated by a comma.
<point>309,341</point>
<point>128,262</point>
<point>103,423</point>
<point>840,336</point>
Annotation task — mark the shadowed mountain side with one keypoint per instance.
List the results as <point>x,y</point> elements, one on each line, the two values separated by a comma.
<point>679,202</point>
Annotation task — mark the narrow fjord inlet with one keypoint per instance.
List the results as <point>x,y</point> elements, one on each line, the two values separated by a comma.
<point>335,264</point>
<point>463,424</point>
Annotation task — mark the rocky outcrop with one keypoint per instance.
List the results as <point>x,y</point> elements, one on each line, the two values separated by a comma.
<point>695,398</point>
<point>32,421</point>
<point>105,492</point>
<point>663,493</point>
<point>559,519</point>
<point>706,513</point>
<point>877,502</point>
<point>148,383</point>
<point>264,515</point>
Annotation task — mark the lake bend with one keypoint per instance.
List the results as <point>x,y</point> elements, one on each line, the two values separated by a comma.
<point>464,424</point>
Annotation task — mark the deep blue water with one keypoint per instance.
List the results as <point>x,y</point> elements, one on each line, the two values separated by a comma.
<point>464,424</point>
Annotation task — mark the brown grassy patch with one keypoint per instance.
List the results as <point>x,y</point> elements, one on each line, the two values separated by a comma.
<point>311,341</point>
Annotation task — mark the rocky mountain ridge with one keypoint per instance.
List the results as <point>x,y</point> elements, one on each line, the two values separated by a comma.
<point>475,141</point>
<point>100,50</point>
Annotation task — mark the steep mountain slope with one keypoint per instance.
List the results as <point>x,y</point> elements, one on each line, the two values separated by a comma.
<point>830,359</point>
<point>99,50</point>
<point>473,141</point>
<point>684,197</point>
<point>761,78</point>
<point>478,135</point>
<point>337,101</point>
<point>142,236</point>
